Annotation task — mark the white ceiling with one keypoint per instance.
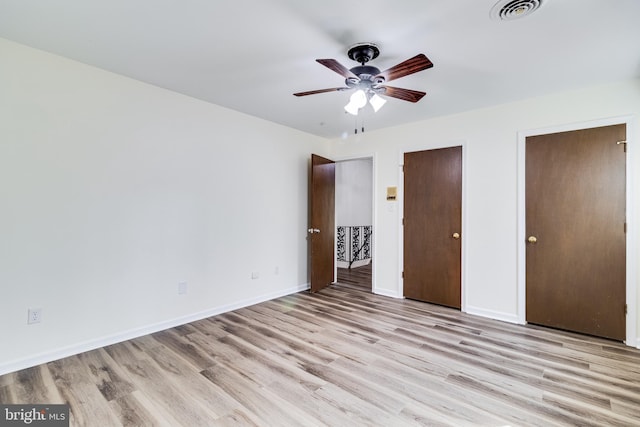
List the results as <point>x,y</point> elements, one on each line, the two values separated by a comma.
<point>252,55</point>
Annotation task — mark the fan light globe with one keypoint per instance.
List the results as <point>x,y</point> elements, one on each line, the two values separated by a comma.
<point>351,109</point>
<point>377,102</point>
<point>356,102</point>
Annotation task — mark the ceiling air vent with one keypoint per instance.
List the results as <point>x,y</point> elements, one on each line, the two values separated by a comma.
<point>507,10</point>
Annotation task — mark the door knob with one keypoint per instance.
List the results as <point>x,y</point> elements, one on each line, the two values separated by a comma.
<point>456,236</point>
<point>313,230</point>
<point>532,239</point>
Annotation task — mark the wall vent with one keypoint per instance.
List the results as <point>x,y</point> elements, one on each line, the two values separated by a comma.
<point>507,10</point>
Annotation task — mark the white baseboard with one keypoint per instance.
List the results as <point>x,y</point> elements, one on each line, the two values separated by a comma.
<point>510,318</point>
<point>356,264</point>
<point>93,344</point>
<point>491,314</point>
<point>387,293</point>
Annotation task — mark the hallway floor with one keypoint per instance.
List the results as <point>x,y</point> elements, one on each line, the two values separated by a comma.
<point>357,278</point>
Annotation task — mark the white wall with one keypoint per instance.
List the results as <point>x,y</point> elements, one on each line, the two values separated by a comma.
<point>490,140</point>
<point>113,191</point>
<point>354,192</point>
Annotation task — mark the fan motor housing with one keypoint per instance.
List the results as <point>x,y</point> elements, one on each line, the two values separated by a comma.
<point>368,76</point>
<point>365,70</point>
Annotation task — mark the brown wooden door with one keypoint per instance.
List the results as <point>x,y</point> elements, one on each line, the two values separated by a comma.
<point>322,222</point>
<point>575,212</point>
<point>432,225</point>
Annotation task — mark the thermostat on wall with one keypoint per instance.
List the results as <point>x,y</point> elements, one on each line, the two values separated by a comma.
<point>391,193</point>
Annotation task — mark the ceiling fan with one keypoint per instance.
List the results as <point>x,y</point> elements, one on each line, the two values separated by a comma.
<point>369,81</point>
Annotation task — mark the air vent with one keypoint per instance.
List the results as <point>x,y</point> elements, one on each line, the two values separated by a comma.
<point>507,10</point>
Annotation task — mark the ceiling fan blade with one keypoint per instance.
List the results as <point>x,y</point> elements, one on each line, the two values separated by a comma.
<point>410,66</point>
<point>334,65</point>
<point>404,94</point>
<point>313,92</point>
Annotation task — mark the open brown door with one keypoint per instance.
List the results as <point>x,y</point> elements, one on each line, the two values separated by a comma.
<point>575,222</point>
<point>322,221</point>
<point>432,225</point>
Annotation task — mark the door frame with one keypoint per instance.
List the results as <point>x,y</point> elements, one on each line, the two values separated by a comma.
<point>631,249</point>
<point>374,216</point>
<point>400,208</point>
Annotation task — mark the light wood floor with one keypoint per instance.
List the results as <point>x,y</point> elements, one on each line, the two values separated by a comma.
<point>343,357</point>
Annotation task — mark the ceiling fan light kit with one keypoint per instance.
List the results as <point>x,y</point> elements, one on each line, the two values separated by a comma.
<point>359,99</point>
<point>369,81</point>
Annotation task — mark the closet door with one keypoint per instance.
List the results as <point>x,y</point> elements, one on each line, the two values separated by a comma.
<point>433,225</point>
<point>575,222</point>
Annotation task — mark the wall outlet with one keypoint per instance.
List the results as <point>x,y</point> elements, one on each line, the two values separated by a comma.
<point>182,288</point>
<point>276,271</point>
<point>34,316</point>
<point>255,275</point>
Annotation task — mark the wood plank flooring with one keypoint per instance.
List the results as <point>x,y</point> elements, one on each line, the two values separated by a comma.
<point>343,357</point>
<point>358,277</point>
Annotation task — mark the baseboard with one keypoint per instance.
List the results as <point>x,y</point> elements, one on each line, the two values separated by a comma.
<point>356,264</point>
<point>386,293</point>
<point>491,314</point>
<point>93,344</point>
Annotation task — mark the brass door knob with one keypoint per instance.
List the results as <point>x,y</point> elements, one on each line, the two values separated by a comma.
<point>532,239</point>
<point>456,236</point>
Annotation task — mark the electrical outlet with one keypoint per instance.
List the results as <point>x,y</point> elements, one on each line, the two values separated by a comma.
<point>276,271</point>
<point>34,316</point>
<point>182,288</point>
<point>255,275</point>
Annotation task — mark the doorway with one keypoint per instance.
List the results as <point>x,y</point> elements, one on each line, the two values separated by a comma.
<point>354,223</point>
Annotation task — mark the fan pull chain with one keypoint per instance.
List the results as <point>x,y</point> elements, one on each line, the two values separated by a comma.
<point>355,126</point>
